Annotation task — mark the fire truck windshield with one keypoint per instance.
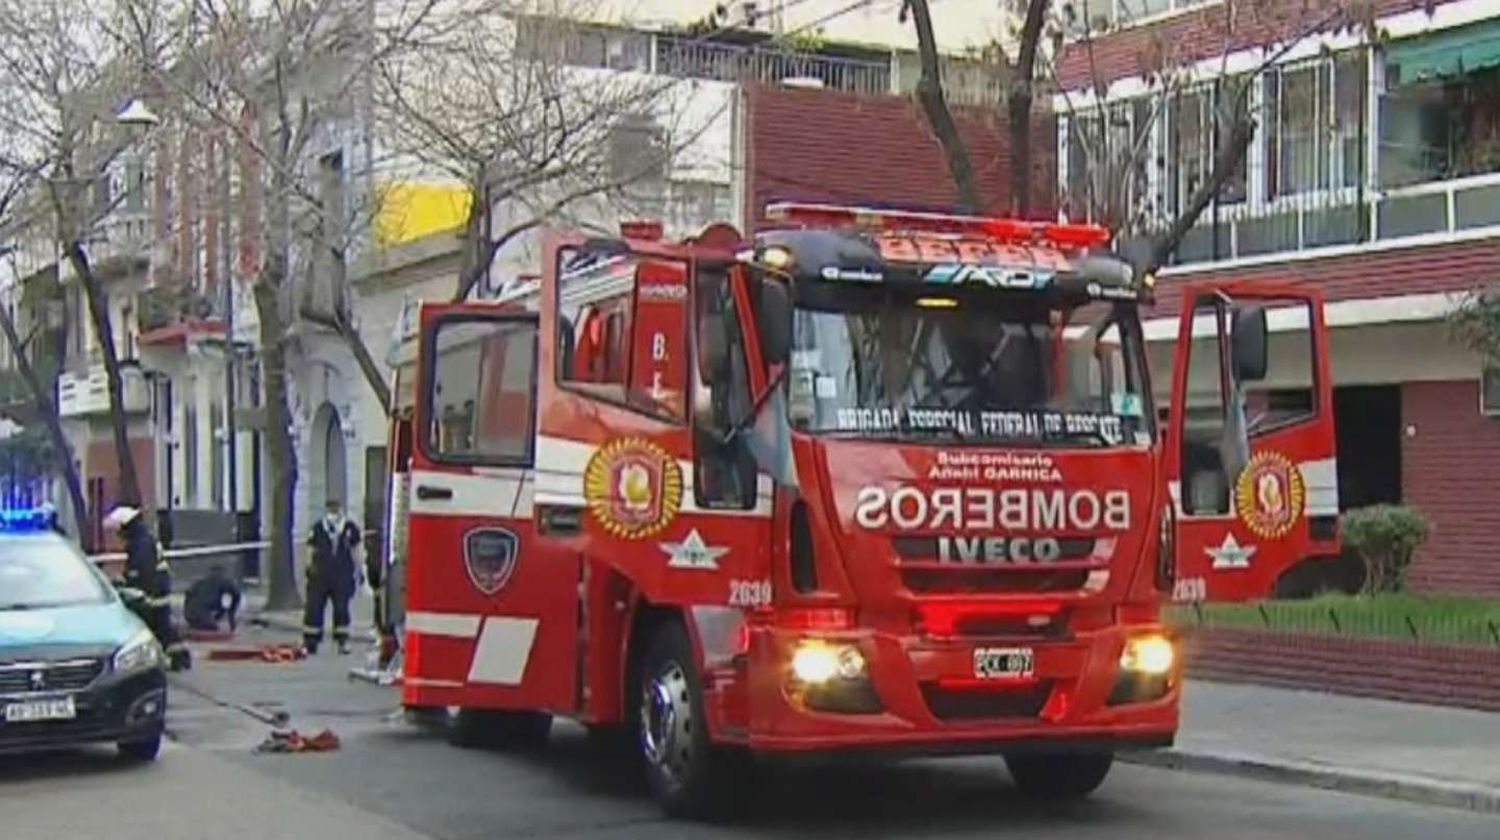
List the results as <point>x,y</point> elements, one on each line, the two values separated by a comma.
<point>987,366</point>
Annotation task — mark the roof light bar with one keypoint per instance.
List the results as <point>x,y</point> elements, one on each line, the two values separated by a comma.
<point>27,520</point>
<point>1067,236</point>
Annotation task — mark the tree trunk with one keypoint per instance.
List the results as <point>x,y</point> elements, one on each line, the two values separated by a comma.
<point>935,104</point>
<point>48,409</point>
<point>130,489</point>
<point>1228,159</point>
<point>281,455</point>
<point>1018,105</point>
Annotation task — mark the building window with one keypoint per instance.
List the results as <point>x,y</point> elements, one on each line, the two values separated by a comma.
<point>1108,161</point>
<point>190,443</point>
<point>1314,118</point>
<point>1436,128</point>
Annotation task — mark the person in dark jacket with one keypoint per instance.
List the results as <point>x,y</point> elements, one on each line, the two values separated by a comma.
<point>330,577</point>
<point>210,600</point>
<point>147,570</point>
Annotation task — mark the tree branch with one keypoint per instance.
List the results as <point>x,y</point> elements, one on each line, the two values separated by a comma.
<point>935,104</point>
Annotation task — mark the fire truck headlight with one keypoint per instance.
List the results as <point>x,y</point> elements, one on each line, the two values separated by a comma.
<point>1153,655</point>
<point>815,661</point>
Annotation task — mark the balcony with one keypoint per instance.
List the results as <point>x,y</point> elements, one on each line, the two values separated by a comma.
<point>1420,165</point>
<point>87,394</point>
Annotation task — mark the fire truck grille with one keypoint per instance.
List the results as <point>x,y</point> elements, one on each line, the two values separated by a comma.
<point>967,704</point>
<point>923,574</point>
<point>959,582</point>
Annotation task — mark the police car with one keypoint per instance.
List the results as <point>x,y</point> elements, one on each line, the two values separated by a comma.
<point>76,664</point>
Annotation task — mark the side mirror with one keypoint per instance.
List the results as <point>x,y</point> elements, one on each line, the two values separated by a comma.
<point>775,321</point>
<point>1248,345</point>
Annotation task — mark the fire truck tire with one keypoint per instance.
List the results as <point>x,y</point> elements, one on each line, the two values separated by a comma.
<point>688,776</point>
<point>1059,776</point>
<point>473,728</point>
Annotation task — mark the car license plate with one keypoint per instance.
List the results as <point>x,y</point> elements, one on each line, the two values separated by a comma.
<point>35,710</point>
<point>1007,663</point>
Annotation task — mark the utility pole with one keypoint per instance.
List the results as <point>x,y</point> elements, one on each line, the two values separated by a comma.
<point>231,461</point>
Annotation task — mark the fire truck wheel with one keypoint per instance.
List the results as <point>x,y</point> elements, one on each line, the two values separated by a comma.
<point>1059,776</point>
<point>471,728</point>
<point>687,775</point>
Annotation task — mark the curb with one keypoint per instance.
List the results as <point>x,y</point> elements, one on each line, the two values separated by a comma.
<point>293,625</point>
<point>1418,789</point>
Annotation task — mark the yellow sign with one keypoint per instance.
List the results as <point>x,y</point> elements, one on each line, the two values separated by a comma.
<point>1269,495</point>
<point>633,487</point>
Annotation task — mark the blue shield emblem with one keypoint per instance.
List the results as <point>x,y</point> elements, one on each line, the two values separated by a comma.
<point>490,558</point>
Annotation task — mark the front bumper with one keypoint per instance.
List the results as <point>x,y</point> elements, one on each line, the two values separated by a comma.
<point>112,709</point>
<point>927,700</point>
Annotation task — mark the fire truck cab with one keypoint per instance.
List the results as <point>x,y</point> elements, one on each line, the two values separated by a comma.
<point>868,479</point>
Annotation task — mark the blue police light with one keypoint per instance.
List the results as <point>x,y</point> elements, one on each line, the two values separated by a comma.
<point>27,520</point>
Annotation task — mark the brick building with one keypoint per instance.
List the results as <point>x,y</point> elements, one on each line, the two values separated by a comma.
<point>1374,175</point>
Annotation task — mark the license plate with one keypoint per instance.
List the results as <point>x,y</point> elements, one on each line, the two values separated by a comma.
<point>35,710</point>
<point>1003,663</point>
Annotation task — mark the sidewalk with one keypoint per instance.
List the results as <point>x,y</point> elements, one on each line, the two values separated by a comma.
<point>1429,754</point>
<point>362,611</point>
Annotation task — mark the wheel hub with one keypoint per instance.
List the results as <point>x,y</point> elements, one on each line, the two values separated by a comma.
<point>666,722</point>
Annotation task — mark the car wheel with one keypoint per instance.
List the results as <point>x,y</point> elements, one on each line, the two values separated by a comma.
<point>1061,776</point>
<point>471,728</point>
<point>687,775</point>
<point>142,751</point>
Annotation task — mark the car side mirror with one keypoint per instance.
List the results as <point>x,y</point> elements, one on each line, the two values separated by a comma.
<point>775,325</point>
<point>1248,345</point>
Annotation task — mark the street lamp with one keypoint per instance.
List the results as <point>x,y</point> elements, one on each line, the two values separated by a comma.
<point>137,115</point>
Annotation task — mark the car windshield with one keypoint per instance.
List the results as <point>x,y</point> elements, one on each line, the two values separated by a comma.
<point>984,366</point>
<point>46,571</point>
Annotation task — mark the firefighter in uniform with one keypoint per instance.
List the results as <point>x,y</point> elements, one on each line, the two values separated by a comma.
<point>330,577</point>
<point>147,570</point>
<point>210,600</point>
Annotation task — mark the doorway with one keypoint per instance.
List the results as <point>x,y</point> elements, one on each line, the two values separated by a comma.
<point>1368,423</point>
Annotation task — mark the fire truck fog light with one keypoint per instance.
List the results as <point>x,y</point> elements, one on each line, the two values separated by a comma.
<point>851,664</point>
<point>1152,655</point>
<point>815,662</point>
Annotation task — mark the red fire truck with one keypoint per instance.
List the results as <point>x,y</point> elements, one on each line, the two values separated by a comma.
<point>867,479</point>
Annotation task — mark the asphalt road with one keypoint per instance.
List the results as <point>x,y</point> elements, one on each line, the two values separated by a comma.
<point>393,780</point>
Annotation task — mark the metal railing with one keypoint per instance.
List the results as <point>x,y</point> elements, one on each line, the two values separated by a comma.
<point>730,63</point>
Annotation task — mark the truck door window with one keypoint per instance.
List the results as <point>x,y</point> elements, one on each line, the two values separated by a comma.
<point>1285,397</point>
<point>480,397</point>
<point>724,476</point>
<point>1205,486</point>
<point>628,339</point>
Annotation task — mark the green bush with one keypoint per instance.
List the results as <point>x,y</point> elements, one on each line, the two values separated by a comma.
<point>1385,537</point>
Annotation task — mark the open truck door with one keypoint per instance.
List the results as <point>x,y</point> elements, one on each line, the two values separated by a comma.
<point>480,587</point>
<point>1251,449</point>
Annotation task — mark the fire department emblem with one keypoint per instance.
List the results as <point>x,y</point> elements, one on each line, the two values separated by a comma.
<point>1269,495</point>
<point>490,558</point>
<point>633,487</point>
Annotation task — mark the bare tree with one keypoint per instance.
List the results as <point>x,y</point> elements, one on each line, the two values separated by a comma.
<point>1115,140</point>
<point>935,105</point>
<point>1114,144</point>
<point>485,94</point>
<point>63,78</point>
<point>15,184</point>
<point>285,83</point>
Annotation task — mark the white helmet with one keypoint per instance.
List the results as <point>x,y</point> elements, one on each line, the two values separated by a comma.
<point>121,516</point>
